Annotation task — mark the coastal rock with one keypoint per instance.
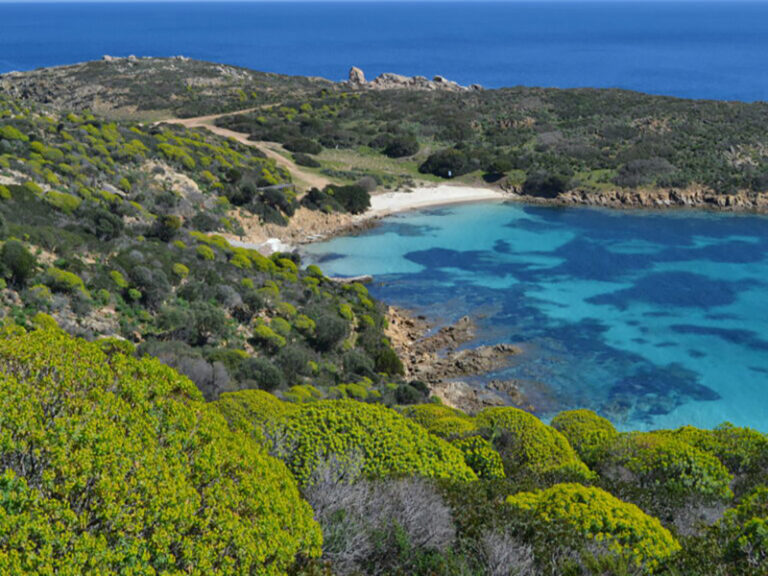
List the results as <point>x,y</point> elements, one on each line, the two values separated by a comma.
<point>356,76</point>
<point>464,397</point>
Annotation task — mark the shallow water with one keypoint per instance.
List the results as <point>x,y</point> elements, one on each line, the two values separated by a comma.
<point>652,319</point>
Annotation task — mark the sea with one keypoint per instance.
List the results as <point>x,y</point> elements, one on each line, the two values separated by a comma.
<point>690,49</point>
<point>652,319</point>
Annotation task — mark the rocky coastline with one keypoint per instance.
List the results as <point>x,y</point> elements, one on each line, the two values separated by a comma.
<point>662,199</point>
<point>438,357</point>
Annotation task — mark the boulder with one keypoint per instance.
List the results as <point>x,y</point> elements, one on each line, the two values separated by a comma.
<point>356,76</point>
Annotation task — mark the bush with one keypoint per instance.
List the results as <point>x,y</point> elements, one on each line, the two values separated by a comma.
<point>448,163</point>
<point>114,465</point>
<point>303,145</point>
<point>667,466</point>
<point>386,443</point>
<point>305,160</point>
<point>589,434</point>
<point>63,281</point>
<point>481,457</point>
<point>17,262</point>
<point>401,146</point>
<point>379,527</point>
<point>388,362</point>
<point>355,199</point>
<point>543,184</point>
<point>572,515</point>
<point>529,446</point>
<point>249,411</point>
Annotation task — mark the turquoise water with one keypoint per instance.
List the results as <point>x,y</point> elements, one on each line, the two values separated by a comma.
<point>651,319</point>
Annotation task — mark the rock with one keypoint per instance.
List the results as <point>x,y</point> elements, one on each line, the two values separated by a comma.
<point>356,76</point>
<point>108,58</point>
<point>132,58</point>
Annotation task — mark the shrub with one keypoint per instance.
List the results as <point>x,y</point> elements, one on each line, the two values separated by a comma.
<point>64,202</point>
<point>180,270</point>
<point>305,160</point>
<point>574,515</point>
<point>529,446</point>
<point>249,411</point>
<point>17,262</point>
<point>441,420</point>
<point>114,465</point>
<point>589,434</point>
<point>744,530</point>
<point>379,527</point>
<point>63,281</point>
<point>8,132</point>
<point>667,465</point>
<point>355,199</point>
<point>481,457</point>
<point>303,145</point>
<point>388,362</point>
<point>387,443</point>
<point>543,184</point>
<point>205,252</point>
<point>5,193</point>
<point>401,146</point>
<point>448,163</point>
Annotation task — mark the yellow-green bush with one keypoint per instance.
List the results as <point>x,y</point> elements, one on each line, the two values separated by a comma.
<point>250,410</point>
<point>528,445</point>
<point>205,252</point>
<point>589,434</point>
<point>387,443</point>
<point>741,450</point>
<point>428,415</point>
<point>481,457</point>
<point>114,465</point>
<point>573,515</point>
<point>64,281</point>
<point>267,337</point>
<point>659,462</point>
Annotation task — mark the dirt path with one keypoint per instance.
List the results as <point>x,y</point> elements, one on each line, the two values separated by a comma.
<point>303,178</point>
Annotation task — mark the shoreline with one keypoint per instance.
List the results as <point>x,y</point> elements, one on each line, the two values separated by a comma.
<point>308,227</point>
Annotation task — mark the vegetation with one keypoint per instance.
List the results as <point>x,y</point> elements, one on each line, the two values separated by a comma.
<point>217,411</point>
<point>112,465</point>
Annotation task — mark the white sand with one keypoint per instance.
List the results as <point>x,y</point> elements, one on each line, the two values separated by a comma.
<point>393,202</point>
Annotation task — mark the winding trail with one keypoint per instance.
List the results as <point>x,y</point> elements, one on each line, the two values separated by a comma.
<point>302,177</point>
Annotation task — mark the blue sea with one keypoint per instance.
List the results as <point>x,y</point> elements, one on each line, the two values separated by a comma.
<point>690,49</point>
<point>652,319</point>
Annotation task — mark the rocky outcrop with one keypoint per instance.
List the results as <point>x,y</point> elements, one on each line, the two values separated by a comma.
<point>694,197</point>
<point>389,81</point>
<point>356,76</point>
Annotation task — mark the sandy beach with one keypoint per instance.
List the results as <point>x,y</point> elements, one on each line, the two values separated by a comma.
<point>308,226</point>
<point>386,203</point>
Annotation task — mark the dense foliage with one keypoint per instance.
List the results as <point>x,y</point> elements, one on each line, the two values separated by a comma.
<point>545,140</point>
<point>112,465</point>
<point>116,229</point>
<point>566,513</point>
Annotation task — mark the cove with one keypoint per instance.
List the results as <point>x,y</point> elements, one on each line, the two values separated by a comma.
<point>652,319</point>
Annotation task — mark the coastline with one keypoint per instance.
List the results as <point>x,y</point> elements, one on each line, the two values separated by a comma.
<point>307,227</point>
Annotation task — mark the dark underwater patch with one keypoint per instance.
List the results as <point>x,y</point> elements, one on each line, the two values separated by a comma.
<point>737,336</point>
<point>680,289</point>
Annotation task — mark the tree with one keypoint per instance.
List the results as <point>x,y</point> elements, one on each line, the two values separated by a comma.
<point>18,262</point>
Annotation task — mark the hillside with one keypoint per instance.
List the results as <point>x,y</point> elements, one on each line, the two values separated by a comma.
<point>113,464</point>
<point>592,146</point>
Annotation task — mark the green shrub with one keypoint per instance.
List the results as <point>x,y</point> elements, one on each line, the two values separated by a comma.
<point>114,465</point>
<point>387,443</point>
<point>589,434</point>
<point>667,465</point>
<point>17,263</point>
<point>8,132</point>
<point>572,515</point>
<point>63,281</point>
<point>267,337</point>
<point>205,252</point>
<point>249,411</point>
<point>480,456</point>
<point>64,202</point>
<point>529,446</point>
<point>180,270</point>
